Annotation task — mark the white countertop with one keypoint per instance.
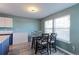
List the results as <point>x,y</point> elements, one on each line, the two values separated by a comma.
<point>6,32</point>
<point>3,38</point>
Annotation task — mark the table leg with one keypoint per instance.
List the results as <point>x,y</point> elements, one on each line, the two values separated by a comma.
<point>36,48</point>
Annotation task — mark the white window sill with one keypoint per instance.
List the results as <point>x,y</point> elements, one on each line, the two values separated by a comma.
<point>64,41</point>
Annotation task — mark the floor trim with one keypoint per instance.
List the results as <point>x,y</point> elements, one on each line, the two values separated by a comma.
<point>65,51</point>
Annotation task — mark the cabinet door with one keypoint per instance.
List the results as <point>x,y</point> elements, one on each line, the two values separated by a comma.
<point>1,49</point>
<point>5,47</point>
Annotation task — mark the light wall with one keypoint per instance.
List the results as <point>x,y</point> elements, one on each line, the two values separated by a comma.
<point>25,25</point>
<point>21,25</point>
<point>74,29</point>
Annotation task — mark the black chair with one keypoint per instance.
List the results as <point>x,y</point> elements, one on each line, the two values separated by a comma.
<point>52,41</point>
<point>37,39</point>
<point>33,42</point>
<point>34,35</point>
<point>42,44</point>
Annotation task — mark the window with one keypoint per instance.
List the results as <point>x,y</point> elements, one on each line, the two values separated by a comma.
<point>6,22</point>
<point>62,28</point>
<point>48,26</point>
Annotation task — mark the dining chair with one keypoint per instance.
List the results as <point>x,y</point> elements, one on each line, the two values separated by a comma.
<point>42,44</point>
<point>52,41</point>
<point>33,36</point>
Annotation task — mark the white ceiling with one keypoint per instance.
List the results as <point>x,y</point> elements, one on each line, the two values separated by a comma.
<point>45,9</point>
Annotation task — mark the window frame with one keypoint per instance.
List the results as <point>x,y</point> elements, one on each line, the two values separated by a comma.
<point>53,28</point>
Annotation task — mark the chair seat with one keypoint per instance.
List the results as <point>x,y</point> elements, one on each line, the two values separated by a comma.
<point>51,41</point>
<point>42,42</point>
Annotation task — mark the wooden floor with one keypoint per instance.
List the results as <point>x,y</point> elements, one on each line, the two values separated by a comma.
<point>25,49</point>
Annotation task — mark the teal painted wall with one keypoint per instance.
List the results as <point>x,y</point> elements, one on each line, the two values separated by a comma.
<point>74,29</point>
<point>21,24</point>
<point>25,25</point>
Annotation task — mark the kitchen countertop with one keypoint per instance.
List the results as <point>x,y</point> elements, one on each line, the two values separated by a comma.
<point>3,38</point>
<point>5,32</point>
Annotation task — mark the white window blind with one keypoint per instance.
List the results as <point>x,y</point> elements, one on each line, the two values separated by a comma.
<point>48,26</point>
<point>6,22</point>
<point>62,28</point>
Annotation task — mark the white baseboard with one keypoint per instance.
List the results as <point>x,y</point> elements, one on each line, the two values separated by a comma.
<point>65,51</point>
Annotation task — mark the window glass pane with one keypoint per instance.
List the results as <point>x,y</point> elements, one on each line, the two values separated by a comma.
<point>62,22</point>
<point>48,30</point>
<point>63,34</point>
<point>48,24</point>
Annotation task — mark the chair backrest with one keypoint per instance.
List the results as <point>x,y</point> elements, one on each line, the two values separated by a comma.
<point>39,33</point>
<point>53,37</point>
<point>45,37</point>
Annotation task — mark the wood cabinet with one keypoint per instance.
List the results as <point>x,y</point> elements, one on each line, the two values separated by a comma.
<point>6,22</point>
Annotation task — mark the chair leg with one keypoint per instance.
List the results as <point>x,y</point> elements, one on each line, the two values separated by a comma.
<point>55,49</point>
<point>32,44</point>
<point>47,51</point>
<point>35,51</point>
<point>50,49</point>
<point>36,48</point>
